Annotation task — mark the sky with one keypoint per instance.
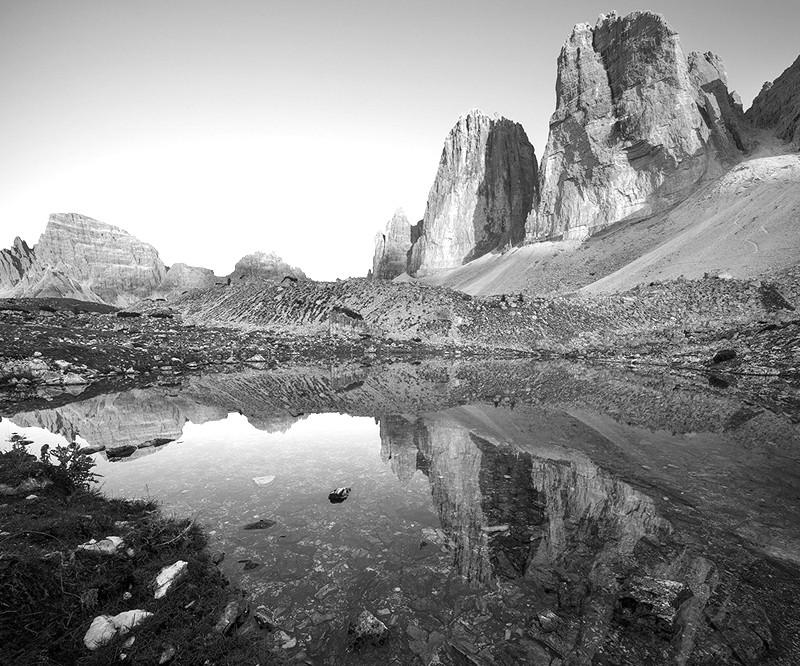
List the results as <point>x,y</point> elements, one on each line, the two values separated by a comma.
<point>216,129</point>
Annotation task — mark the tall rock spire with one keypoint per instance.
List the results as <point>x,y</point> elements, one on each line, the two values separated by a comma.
<point>637,125</point>
<point>485,185</point>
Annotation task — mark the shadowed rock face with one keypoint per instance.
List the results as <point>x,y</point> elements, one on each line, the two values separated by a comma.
<point>78,257</point>
<point>391,248</point>
<point>14,262</point>
<point>777,106</point>
<point>484,188</point>
<point>637,126</point>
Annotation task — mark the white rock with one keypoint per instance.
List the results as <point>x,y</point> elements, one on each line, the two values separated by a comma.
<point>168,576</point>
<point>105,627</point>
<point>263,480</point>
<point>111,545</point>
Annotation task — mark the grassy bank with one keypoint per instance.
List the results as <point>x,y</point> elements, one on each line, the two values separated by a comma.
<point>50,591</point>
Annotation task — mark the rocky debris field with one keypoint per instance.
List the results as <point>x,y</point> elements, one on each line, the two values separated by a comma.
<point>55,346</point>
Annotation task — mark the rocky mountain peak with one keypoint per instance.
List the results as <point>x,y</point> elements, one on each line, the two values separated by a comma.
<point>637,125</point>
<point>264,266</point>
<point>14,262</point>
<point>485,185</point>
<point>391,247</point>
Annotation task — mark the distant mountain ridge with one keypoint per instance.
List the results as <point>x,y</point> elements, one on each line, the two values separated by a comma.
<point>641,134</point>
<point>85,259</point>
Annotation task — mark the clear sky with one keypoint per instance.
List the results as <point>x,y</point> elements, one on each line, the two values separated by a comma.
<point>214,129</point>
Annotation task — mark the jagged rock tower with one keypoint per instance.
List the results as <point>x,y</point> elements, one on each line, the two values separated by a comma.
<point>637,126</point>
<point>391,248</point>
<point>484,188</point>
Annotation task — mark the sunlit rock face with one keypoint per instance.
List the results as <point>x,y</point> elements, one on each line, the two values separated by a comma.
<point>484,188</point>
<point>14,262</point>
<point>399,446</point>
<point>637,125</point>
<point>180,277</point>
<point>79,257</point>
<point>391,248</point>
<point>777,106</point>
<point>260,266</point>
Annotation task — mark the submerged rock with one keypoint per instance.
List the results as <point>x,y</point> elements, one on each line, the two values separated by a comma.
<point>366,630</point>
<point>261,524</point>
<point>105,628</point>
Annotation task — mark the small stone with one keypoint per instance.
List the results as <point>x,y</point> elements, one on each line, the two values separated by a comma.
<point>169,576</point>
<point>168,654</point>
<point>264,618</point>
<point>367,630</point>
<point>111,545</point>
<point>263,480</point>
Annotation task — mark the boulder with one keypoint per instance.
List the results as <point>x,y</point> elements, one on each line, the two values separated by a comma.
<point>105,628</point>
<point>170,576</point>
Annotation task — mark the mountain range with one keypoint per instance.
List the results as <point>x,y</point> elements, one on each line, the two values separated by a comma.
<point>88,260</point>
<point>652,171</point>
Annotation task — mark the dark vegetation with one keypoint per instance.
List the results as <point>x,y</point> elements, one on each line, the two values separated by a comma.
<point>50,592</point>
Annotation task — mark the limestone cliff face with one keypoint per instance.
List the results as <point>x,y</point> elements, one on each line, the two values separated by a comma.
<point>14,262</point>
<point>180,277</point>
<point>484,188</point>
<point>391,248</point>
<point>777,106</point>
<point>637,125</point>
<point>262,266</point>
<point>78,257</point>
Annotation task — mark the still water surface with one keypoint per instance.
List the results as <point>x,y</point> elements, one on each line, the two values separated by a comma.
<point>508,530</point>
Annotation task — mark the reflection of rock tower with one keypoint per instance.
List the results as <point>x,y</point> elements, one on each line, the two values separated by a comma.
<point>398,446</point>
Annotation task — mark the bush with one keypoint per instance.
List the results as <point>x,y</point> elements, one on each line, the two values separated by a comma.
<point>74,469</point>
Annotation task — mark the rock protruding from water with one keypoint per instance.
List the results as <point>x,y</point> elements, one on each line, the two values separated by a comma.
<point>483,191</point>
<point>260,266</point>
<point>391,248</point>
<point>777,106</point>
<point>79,257</point>
<point>14,262</point>
<point>637,126</point>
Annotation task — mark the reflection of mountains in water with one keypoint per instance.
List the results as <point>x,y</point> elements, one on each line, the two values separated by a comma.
<point>274,400</point>
<point>510,500</point>
<point>547,493</point>
<point>520,507</point>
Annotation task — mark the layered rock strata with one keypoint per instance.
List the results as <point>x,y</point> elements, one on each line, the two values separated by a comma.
<point>485,185</point>
<point>79,257</point>
<point>391,248</point>
<point>637,126</point>
<point>777,106</point>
